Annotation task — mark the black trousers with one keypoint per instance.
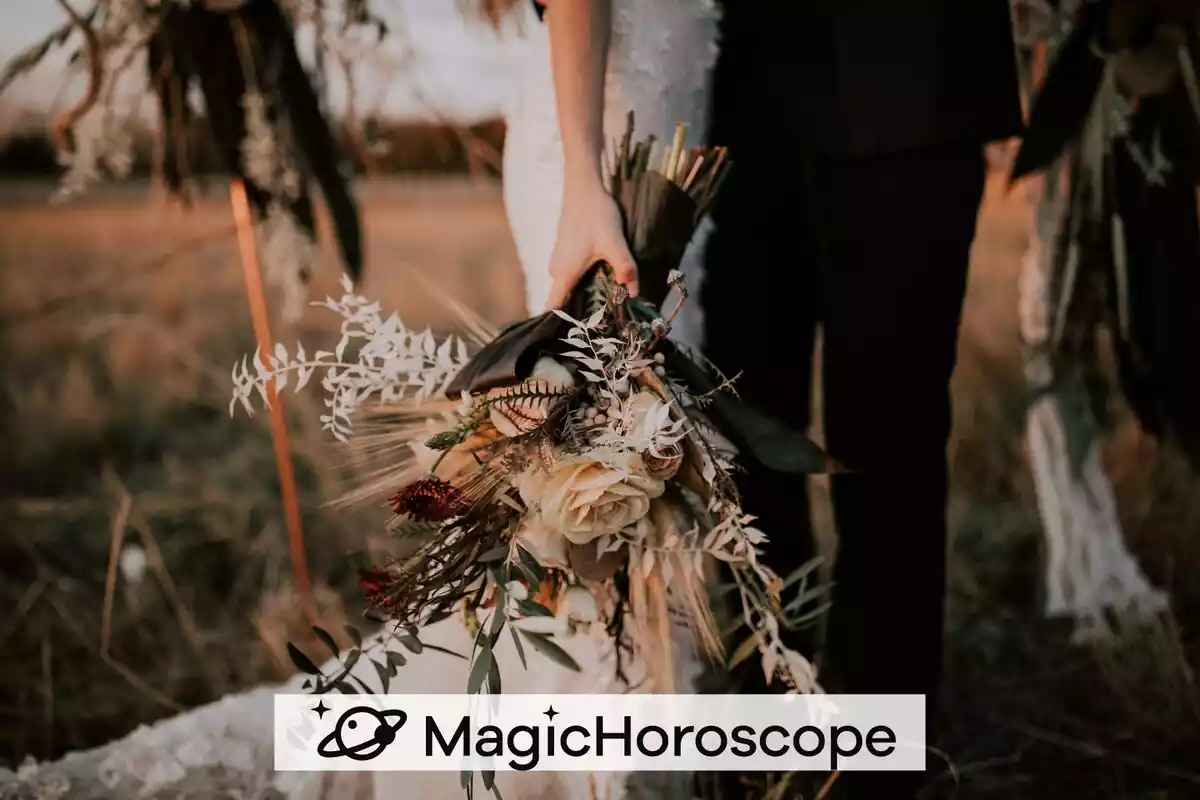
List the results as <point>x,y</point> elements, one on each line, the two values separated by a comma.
<point>876,252</point>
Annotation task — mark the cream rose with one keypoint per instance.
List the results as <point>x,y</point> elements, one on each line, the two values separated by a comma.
<point>543,542</point>
<point>586,497</point>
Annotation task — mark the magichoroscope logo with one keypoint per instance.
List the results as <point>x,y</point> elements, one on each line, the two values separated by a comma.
<point>361,733</point>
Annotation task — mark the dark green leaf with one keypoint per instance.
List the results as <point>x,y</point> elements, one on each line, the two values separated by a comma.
<point>489,778</point>
<point>517,644</point>
<point>479,670</point>
<point>411,642</point>
<point>498,620</point>
<point>355,636</point>
<point>756,434</point>
<point>324,636</point>
<point>493,677</point>
<point>438,649</point>
<point>396,659</point>
<point>498,553</point>
<point>384,672</point>
<point>530,566</point>
<point>437,616</point>
<point>531,609</point>
<point>550,650</point>
<point>351,659</point>
<point>302,661</point>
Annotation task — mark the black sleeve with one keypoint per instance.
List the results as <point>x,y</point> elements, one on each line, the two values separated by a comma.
<point>540,9</point>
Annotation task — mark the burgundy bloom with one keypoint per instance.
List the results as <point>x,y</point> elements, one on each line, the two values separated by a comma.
<point>372,582</point>
<point>427,500</point>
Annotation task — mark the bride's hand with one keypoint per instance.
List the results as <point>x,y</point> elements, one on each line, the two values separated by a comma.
<point>589,230</point>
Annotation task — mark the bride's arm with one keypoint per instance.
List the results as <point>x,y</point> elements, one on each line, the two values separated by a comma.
<point>579,37</point>
<point>590,227</point>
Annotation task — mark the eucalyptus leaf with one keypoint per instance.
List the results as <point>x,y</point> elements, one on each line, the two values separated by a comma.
<point>493,677</point>
<point>355,636</point>
<point>551,650</point>
<point>531,608</point>
<point>479,670</point>
<point>324,636</point>
<point>384,672</point>
<point>520,648</point>
<point>302,662</point>
<point>439,649</point>
<point>498,553</point>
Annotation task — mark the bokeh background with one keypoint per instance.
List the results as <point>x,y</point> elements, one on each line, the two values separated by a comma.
<point>143,559</point>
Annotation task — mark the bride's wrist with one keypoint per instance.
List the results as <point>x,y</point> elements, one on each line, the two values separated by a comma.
<point>583,175</point>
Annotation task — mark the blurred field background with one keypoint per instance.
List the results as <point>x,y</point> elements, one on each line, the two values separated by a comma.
<point>121,317</point>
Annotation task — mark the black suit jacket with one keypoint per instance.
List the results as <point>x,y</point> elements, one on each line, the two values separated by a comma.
<point>852,78</point>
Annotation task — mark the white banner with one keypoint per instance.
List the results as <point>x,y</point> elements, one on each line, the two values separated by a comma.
<point>599,733</point>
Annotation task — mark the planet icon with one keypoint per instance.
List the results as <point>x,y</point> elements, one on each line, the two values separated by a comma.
<point>380,728</point>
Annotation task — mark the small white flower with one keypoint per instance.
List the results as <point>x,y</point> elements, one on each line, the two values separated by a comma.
<point>577,604</point>
<point>517,591</point>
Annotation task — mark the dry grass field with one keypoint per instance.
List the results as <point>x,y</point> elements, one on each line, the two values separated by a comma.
<point>119,323</point>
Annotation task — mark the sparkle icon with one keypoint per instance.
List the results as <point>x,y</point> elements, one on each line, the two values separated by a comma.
<point>551,713</point>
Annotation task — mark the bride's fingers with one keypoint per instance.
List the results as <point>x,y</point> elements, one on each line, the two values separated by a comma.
<point>560,290</point>
<point>624,269</point>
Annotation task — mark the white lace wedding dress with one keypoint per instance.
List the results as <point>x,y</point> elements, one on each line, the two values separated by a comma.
<point>662,53</point>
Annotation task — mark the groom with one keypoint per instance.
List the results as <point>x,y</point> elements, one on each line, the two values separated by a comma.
<point>857,132</point>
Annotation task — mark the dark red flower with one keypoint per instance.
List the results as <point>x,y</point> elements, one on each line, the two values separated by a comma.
<point>372,582</point>
<point>428,500</point>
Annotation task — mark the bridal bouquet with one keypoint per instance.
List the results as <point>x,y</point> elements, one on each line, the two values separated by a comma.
<point>575,472</point>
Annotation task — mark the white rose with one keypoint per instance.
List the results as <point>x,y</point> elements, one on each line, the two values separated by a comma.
<point>586,497</point>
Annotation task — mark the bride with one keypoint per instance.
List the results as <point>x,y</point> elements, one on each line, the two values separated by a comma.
<point>587,64</point>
